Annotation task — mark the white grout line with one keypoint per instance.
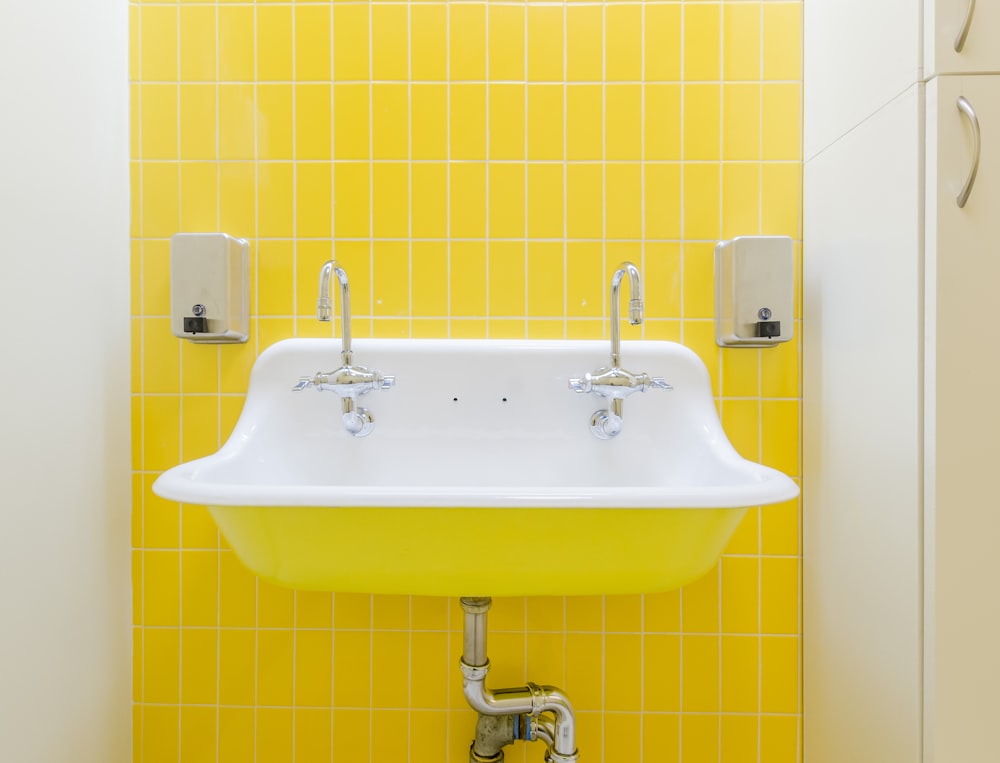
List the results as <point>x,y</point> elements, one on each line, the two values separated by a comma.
<point>760,406</point>
<point>371,167</point>
<point>180,439</point>
<point>409,164</point>
<point>138,739</point>
<point>218,407</point>
<point>605,306</point>
<point>447,180</point>
<point>681,260</point>
<point>565,246</point>
<point>486,149</point>
<point>722,213</point>
<point>642,264</point>
<point>257,249</point>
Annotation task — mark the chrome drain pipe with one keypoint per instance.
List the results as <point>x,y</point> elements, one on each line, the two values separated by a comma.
<point>559,734</point>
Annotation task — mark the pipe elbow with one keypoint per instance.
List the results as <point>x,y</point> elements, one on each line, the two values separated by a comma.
<point>476,694</point>
<point>564,729</point>
<point>556,702</point>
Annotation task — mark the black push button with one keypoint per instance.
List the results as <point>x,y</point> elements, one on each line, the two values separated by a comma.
<point>196,325</point>
<point>768,329</point>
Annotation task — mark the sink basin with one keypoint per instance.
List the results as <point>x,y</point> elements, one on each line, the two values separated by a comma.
<point>480,477</point>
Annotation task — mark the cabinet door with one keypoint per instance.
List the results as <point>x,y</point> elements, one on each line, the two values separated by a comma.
<point>962,424</point>
<point>944,23</point>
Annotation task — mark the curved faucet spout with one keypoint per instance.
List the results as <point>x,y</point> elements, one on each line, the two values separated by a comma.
<point>634,306</point>
<point>324,306</point>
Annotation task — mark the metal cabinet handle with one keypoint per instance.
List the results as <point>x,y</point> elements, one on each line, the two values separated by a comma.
<point>964,31</point>
<point>966,108</point>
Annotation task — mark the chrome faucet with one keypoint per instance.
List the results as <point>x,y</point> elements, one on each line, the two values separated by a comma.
<point>615,383</point>
<point>349,381</point>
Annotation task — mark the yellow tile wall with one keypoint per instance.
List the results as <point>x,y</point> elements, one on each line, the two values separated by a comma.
<point>480,168</point>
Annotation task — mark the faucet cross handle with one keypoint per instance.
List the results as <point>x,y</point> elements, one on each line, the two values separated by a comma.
<point>348,381</point>
<point>617,383</point>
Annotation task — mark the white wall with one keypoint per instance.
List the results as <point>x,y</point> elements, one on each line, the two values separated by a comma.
<point>862,489</point>
<point>862,382</point>
<point>64,382</point>
<point>859,55</point>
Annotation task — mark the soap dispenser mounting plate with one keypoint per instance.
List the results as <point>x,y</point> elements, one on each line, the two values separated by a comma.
<point>210,287</point>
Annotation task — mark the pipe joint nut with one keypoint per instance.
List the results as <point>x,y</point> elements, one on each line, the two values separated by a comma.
<point>475,757</point>
<point>552,756</point>
<point>474,672</point>
<point>538,698</point>
<point>476,605</point>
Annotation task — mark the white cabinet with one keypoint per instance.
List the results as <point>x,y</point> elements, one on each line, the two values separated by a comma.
<point>976,24</point>
<point>962,424</point>
<point>901,415</point>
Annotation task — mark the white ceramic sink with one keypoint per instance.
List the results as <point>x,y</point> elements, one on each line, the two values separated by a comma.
<point>481,476</point>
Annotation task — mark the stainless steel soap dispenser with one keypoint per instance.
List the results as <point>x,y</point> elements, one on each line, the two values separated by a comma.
<point>209,287</point>
<point>754,291</point>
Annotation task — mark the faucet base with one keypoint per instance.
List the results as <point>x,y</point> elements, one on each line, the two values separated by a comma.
<point>358,421</point>
<point>604,425</point>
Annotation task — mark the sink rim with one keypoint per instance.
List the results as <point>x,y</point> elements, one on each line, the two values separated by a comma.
<point>180,484</point>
